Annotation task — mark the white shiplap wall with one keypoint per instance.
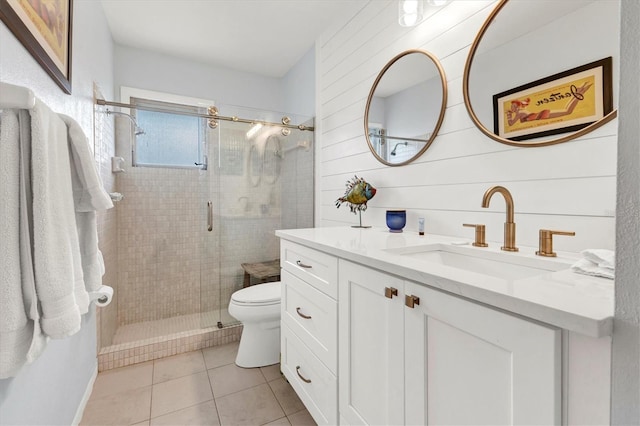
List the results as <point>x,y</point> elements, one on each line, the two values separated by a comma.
<point>569,186</point>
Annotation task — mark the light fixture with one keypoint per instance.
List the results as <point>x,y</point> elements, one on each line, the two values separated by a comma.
<point>410,12</point>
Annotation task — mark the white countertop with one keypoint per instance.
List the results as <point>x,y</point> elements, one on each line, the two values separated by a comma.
<point>571,301</point>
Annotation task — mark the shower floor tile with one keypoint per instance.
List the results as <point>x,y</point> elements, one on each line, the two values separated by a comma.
<point>267,400</point>
<point>150,329</point>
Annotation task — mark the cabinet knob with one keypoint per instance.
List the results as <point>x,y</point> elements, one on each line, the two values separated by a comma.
<point>390,292</point>
<point>302,315</point>
<point>480,234</point>
<point>411,300</point>
<point>301,376</point>
<point>302,265</point>
<point>545,246</point>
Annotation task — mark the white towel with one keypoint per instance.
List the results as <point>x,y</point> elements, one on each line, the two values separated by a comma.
<point>39,341</point>
<point>89,196</point>
<point>56,253</point>
<point>602,257</point>
<point>587,267</point>
<point>15,330</point>
<point>88,191</point>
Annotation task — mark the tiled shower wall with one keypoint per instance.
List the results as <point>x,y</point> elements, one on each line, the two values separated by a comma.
<point>160,224</point>
<point>297,179</point>
<point>104,149</point>
<point>169,264</point>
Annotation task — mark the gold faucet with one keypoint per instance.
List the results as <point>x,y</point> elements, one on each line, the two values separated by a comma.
<point>509,225</point>
<point>546,241</point>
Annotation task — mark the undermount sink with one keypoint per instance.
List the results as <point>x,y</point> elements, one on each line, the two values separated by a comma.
<point>507,266</point>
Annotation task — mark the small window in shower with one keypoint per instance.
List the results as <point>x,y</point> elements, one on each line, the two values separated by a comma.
<point>174,138</point>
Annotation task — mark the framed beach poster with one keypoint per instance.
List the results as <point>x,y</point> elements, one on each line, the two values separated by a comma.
<point>44,28</point>
<point>561,103</point>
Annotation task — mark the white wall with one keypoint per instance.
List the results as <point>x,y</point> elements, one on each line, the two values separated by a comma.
<point>569,186</point>
<point>625,405</point>
<point>50,390</point>
<point>294,93</point>
<point>154,71</point>
<point>298,86</point>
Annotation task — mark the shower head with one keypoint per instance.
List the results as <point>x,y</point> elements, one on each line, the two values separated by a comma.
<point>137,130</point>
<point>393,151</point>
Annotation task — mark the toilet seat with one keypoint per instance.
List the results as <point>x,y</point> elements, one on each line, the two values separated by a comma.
<point>258,295</point>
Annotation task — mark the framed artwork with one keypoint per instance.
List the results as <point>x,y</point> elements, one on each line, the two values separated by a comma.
<point>561,103</point>
<point>44,28</point>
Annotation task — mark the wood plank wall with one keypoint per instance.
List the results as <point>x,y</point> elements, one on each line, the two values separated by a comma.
<point>570,186</point>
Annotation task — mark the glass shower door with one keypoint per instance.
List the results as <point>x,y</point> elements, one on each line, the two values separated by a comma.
<point>261,180</point>
<point>210,299</point>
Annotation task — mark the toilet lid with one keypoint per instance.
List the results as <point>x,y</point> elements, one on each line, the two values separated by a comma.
<point>258,294</point>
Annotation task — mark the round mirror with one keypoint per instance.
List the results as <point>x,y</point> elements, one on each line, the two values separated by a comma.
<point>539,72</point>
<point>405,107</point>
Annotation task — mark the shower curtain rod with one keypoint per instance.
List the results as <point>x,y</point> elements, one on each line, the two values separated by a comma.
<point>285,120</point>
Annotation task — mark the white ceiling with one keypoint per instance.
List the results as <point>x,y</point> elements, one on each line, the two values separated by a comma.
<point>266,37</point>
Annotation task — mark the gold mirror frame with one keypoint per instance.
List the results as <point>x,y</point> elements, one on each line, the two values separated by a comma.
<point>467,102</point>
<point>443,106</point>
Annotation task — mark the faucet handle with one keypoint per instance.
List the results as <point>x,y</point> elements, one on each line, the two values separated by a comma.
<point>480,232</point>
<point>545,247</point>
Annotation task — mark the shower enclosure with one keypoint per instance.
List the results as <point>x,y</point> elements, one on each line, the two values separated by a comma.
<point>186,225</point>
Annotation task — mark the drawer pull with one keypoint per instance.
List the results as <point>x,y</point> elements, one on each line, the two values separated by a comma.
<point>300,375</point>
<point>302,315</point>
<point>390,292</point>
<point>302,265</point>
<point>412,300</point>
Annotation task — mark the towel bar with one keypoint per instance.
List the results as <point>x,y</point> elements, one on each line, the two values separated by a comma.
<point>19,97</point>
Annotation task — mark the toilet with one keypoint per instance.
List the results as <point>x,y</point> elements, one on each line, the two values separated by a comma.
<point>258,309</point>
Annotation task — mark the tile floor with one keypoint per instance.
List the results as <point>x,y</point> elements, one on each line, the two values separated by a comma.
<point>203,387</point>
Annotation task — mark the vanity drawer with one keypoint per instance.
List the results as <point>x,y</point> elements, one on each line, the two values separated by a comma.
<point>313,316</point>
<point>316,386</point>
<point>314,267</point>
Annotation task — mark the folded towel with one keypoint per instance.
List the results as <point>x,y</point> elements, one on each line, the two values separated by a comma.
<point>88,192</point>
<point>602,257</point>
<point>587,267</point>
<point>56,252</point>
<point>89,196</point>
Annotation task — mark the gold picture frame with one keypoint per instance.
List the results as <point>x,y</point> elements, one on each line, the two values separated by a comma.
<point>561,103</point>
<point>44,29</point>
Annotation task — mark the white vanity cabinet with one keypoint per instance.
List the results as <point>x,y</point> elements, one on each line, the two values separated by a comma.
<point>309,328</point>
<point>473,349</point>
<point>447,360</point>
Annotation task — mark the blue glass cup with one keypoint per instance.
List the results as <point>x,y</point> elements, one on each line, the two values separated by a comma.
<point>396,220</point>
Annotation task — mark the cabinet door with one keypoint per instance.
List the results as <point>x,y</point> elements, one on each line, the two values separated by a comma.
<point>371,360</point>
<point>470,364</point>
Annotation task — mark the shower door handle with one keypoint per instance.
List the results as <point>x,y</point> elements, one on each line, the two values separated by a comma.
<point>209,216</point>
